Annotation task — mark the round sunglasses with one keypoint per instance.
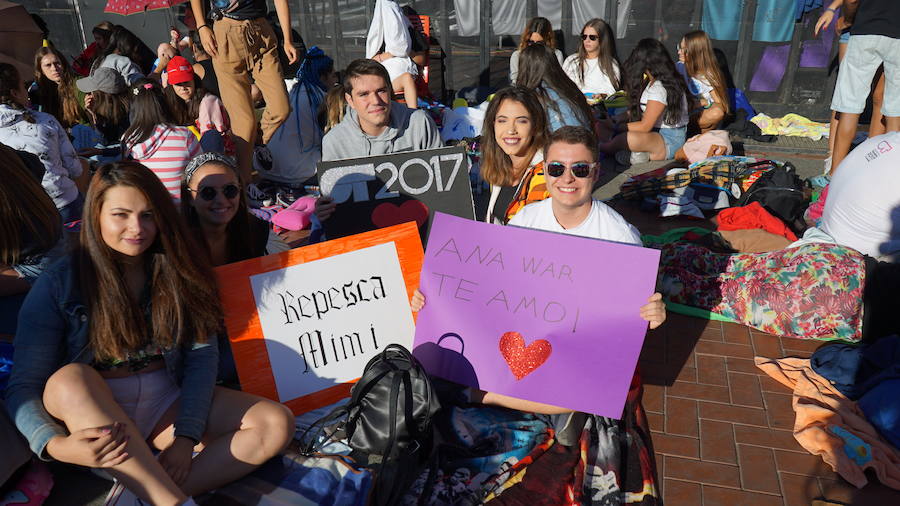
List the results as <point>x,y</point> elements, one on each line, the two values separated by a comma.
<point>208,193</point>
<point>579,169</point>
<point>585,36</point>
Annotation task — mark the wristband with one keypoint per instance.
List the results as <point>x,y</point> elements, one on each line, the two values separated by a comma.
<point>203,26</point>
<point>834,11</point>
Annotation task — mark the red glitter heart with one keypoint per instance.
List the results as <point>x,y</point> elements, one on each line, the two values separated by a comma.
<point>523,360</point>
<point>388,213</point>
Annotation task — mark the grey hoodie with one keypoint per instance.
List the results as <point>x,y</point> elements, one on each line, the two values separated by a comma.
<point>408,130</point>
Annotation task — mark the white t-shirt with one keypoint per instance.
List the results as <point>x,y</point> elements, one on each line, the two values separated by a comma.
<point>862,210</point>
<point>601,223</point>
<point>657,92</point>
<point>595,80</point>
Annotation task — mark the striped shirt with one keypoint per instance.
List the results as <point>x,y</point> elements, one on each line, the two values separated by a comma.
<point>166,152</point>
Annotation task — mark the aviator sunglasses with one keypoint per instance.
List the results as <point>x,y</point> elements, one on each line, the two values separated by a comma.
<point>208,193</point>
<point>585,36</point>
<point>579,169</point>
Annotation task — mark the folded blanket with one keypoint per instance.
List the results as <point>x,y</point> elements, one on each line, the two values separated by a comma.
<point>833,426</point>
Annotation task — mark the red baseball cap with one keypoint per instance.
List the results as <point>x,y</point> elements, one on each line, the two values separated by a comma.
<point>179,70</point>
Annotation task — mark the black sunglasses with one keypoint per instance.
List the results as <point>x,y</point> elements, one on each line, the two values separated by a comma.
<point>585,36</point>
<point>208,193</point>
<point>533,42</point>
<point>579,169</point>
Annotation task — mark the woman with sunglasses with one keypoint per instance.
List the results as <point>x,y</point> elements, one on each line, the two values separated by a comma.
<point>215,210</point>
<point>595,67</point>
<point>656,122</point>
<point>537,31</point>
<point>154,139</point>
<point>515,127</point>
<point>120,355</point>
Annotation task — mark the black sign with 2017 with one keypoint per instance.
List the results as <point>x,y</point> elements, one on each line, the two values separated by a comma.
<point>381,191</point>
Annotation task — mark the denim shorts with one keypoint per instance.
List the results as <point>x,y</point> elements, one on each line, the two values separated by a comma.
<point>145,397</point>
<point>674,139</point>
<point>845,37</point>
<point>864,54</point>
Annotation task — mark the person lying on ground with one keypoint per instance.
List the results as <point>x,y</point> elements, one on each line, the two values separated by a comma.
<point>120,354</point>
<point>373,125</point>
<point>571,170</point>
<point>656,122</point>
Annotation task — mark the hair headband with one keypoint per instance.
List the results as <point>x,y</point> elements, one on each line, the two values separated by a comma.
<point>204,158</point>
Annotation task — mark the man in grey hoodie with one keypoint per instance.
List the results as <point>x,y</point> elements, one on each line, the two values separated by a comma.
<point>374,125</point>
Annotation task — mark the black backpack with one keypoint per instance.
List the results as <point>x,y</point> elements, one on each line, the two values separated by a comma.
<point>387,422</point>
<point>782,193</point>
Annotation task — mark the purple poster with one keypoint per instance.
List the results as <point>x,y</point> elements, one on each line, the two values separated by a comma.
<point>536,315</point>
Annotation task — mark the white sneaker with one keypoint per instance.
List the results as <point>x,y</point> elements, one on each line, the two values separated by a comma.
<point>629,158</point>
<point>827,166</point>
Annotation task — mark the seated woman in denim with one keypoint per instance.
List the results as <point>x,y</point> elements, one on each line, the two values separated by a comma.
<point>30,233</point>
<point>120,354</point>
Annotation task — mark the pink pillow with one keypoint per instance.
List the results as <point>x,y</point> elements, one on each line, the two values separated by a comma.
<point>297,215</point>
<point>697,147</point>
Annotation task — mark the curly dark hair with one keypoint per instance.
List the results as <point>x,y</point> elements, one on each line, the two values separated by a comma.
<point>650,61</point>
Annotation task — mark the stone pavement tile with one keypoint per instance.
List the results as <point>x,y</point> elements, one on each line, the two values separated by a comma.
<point>724,349</point>
<point>711,370</point>
<point>736,334</point>
<point>723,496</point>
<point>714,334</point>
<point>699,392</point>
<point>770,385</point>
<point>779,410</point>
<point>758,472</point>
<point>717,442</point>
<point>654,398</point>
<point>682,417</point>
<point>803,463</point>
<point>702,472</point>
<point>736,414</point>
<point>657,421</point>
<point>660,471</point>
<point>838,490</point>
<point>745,390</point>
<point>682,492</point>
<point>808,345</point>
<point>770,438</point>
<point>765,345</point>
<point>799,490</point>
<point>679,446</point>
<point>744,365</point>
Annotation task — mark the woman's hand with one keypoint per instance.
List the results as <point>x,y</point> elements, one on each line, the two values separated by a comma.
<point>324,208</point>
<point>89,102</point>
<point>417,302</point>
<point>176,459</point>
<point>380,57</point>
<point>208,40</point>
<point>291,52</point>
<point>824,21</point>
<point>654,311</point>
<point>96,447</point>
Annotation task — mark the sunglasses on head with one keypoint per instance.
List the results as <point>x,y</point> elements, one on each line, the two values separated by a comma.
<point>585,36</point>
<point>579,169</point>
<point>208,193</point>
<point>533,42</point>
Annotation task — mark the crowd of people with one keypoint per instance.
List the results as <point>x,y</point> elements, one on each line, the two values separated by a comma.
<point>129,174</point>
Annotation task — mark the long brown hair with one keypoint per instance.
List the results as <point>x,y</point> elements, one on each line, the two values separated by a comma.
<point>111,110</point>
<point>184,298</point>
<point>148,109</point>
<point>58,100</point>
<point>185,113</point>
<point>540,26</point>
<point>700,61</point>
<point>539,69</point>
<point>25,210</point>
<point>496,166</point>
<point>238,242</point>
<point>607,60</point>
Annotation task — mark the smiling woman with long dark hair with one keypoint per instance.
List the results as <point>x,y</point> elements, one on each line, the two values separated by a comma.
<point>120,354</point>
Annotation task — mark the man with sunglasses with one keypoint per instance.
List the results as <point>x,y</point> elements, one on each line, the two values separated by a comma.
<point>571,168</point>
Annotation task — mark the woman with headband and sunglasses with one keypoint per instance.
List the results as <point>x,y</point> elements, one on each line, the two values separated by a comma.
<point>214,208</point>
<point>595,67</point>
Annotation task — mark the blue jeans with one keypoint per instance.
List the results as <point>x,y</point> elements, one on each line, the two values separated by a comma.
<point>72,211</point>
